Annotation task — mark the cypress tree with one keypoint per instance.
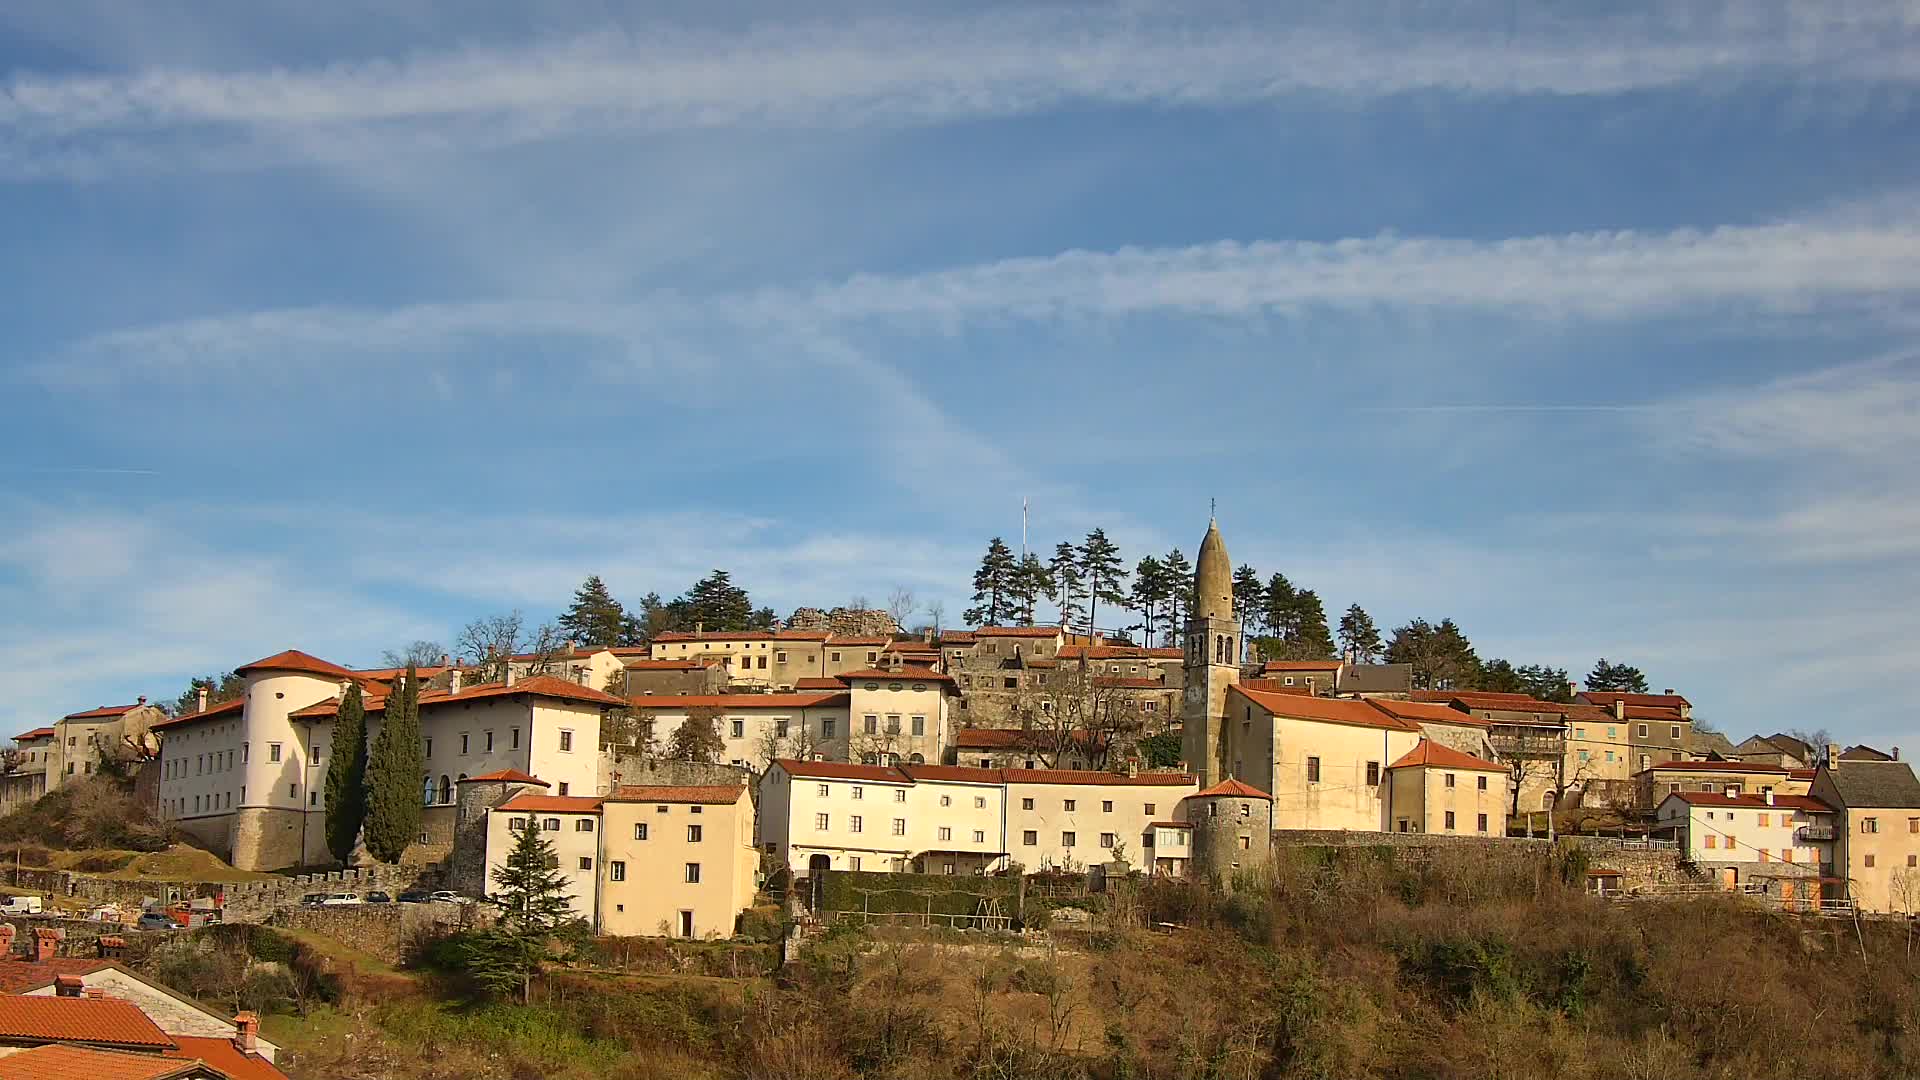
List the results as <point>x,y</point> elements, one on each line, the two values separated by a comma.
<point>346,786</point>
<point>394,771</point>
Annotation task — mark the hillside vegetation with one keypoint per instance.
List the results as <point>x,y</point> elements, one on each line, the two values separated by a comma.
<point>1333,965</point>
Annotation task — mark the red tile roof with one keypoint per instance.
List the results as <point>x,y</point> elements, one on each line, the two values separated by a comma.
<point>1493,702</point>
<point>998,738</point>
<point>808,700</point>
<point>387,675</point>
<point>104,712</point>
<point>17,975</point>
<point>36,733</point>
<point>1015,631</point>
<point>819,682</point>
<point>1751,802</point>
<point>852,641</point>
<point>953,773</point>
<point>1089,776</point>
<point>1275,686</point>
<point>955,637</point>
<point>552,804</point>
<point>224,1056</point>
<point>225,708</point>
<point>669,665</point>
<point>295,660</point>
<point>1331,710</point>
<point>915,674</point>
<point>1721,766</point>
<point>1233,788</point>
<point>1118,652</point>
<point>1170,824</point>
<point>704,794</point>
<point>95,1021</point>
<point>1647,712</point>
<point>1301,665</point>
<point>1608,697</point>
<point>1802,774</point>
<point>505,776</point>
<point>840,770</point>
<point>1426,711</point>
<point>545,686</point>
<point>834,770</point>
<point>57,1061</point>
<point>1430,754</point>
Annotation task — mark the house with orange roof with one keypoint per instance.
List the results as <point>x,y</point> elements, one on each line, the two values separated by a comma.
<point>1323,759</point>
<point>91,1034</point>
<point>773,659</point>
<point>756,728</point>
<point>1529,734</point>
<point>1659,727</point>
<point>1777,843</point>
<point>1438,789</point>
<point>76,745</point>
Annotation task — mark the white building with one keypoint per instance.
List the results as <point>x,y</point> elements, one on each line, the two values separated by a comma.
<point>1744,836</point>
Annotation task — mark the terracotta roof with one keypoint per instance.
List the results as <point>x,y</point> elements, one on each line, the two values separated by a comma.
<point>1089,776</point>
<point>225,708</point>
<point>1331,710</point>
<point>1721,766</point>
<point>741,635</point>
<point>1592,713</point>
<point>1751,802</point>
<point>911,645</point>
<point>1275,686</point>
<point>96,1021</point>
<point>1495,702</point>
<point>998,738</point>
<point>841,770</point>
<point>295,660</point>
<point>18,975</point>
<point>809,700</point>
<point>505,776</point>
<point>552,804</point>
<point>1647,712</point>
<point>1118,652</point>
<point>1124,682</point>
<point>1802,774</point>
<point>1608,697</point>
<point>1436,755</point>
<point>955,637</point>
<point>1427,711</point>
<point>907,673</point>
<point>705,794</point>
<point>669,665</point>
<point>819,682</point>
<point>953,773</point>
<point>1301,665</point>
<point>57,1061</point>
<point>36,733</point>
<point>223,1055</point>
<point>104,712</point>
<point>1016,631</point>
<point>1234,789</point>
<point>538,685</point>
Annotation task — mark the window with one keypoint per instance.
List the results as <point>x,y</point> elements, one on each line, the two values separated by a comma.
<point>820,822</point>
<point>1483,783</point>
<point>1373,774</point>
<point>693,878</point>
<point>1763,821</point>
<point>1029,838</point>
<point>513,738</point>
<point>826,729</point>
<point>946,833</point>
<point>273,751</point>
<point>1482,824</point>
<point>899,826</point>
<point>551,824</point>
<point>586,862</point>
<point>1913,824</point>
<point>853,863</point>
<point>1643,731</point>
<point>1869,825</point>
<point>293,791</point>
<point>1313,770</point>
<point>1711,841</point>
<point>979,802</point>
<point>1867,861</point>
<point>870,724</point>
<point>243,753</point>
<point>893,722</point>
<point>822,790</point>
<point>1066,839</point>
<point>1151,809</point>
<point>1786,854</point>
<point>1676,733</point>
<point>488,736</point>
<point>899,794</point>
<point>566,742</point>
<point>616,871</point>
<point>1913,860</point>
<point>1449,821</point>
<point>919,725</point>
<point>1449,779</point>
<point>856,823</point>
<point>1070,804</point>
<point>583,825</point>
<point>640,830</point>
<point>694,832</point>
<point>947,869</point>
<point>563,789</point>
<point>1106,840</point>
<point>1027,804</point>
<point>465,742</point>
<point>946,800</point>
<point>859,792</point>
<point>739,729</point>
<point>1106,806</point>
<point>980,837</point>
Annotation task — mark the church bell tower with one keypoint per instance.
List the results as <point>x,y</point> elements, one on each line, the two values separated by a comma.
<point>1212,662</point>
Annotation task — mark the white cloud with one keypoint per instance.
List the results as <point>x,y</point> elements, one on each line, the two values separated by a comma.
<point>1867,410</point>
<point>900,71</point>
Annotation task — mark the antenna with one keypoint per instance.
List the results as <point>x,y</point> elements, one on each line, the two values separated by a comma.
<point>1213,509</point>
<point>1023,528</point>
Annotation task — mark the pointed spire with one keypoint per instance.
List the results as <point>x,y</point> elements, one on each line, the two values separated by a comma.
<point>1213,578</point>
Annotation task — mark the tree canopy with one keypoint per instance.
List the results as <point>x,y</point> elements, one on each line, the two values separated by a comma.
<point>994,585</point>
<point>1441,656</point>
<point>596,618</point>
<point>1619,678</point>
<point>1359,636</point>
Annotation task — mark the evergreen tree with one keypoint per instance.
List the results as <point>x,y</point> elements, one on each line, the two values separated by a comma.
<point>1152,588</point>
<point>1499,677</point>
<point>657,617</point>
<point>220,689</point>
<point>993,587</point>
<point>1359,636</point>
<point>1249,598</point>
<point>395,769</point>
<point>346,783</point>
<point>1100,568</point>
<point>1031,581</point>
<point>1180,581</point>
<point>595,617</point>
<point>532,896</point>
<point>1064,574</point>
<point>1545,683</point>
<point>697,738</point>
<point>1441,656</point>
<point>1618,678</point>
<point>1312,641</point>
<point>1282,612</point>
<point>716,603</point>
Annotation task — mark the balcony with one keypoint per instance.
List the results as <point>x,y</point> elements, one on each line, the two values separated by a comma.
<point>1813,834</point>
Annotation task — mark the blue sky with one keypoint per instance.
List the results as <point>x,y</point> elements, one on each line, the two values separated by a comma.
<point>335,326</point>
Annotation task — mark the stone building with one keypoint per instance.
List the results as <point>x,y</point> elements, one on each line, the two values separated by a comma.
<point>1232,829</point>
<point>1212,661</point>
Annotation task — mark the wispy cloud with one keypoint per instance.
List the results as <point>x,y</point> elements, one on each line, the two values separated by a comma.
<point>899,71</point>
<point>1866,410</point>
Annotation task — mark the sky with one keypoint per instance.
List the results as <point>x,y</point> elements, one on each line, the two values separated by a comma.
<point>336,326</point>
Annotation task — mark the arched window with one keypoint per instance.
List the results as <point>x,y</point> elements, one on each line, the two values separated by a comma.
<point>426,790</point>
<point>446,789</point>
<point>917,760</point>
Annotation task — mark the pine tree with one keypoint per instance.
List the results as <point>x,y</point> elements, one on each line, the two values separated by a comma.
<point>1545,683</point>
<point>993,587</point>
<point>532,897</point>
<point>1312,641</point>
<point>395,768</point>
<point>1282,613</point>
<point>1180,581</point>
<point>1616,678</point>
<point>1064,574</point>
<point>1151,590</point>
<point>716,603</point>
<point>595,617</point>
<point>1499,677</point>
<point>346,783</point>
<point>1103,573</point>
<point>1031,582</point>
<point>1359,636</point>
<point>1249,599</point>
<point>1441,656</point>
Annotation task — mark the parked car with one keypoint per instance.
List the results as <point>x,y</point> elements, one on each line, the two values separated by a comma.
<point>414,896</point>
<point>153,920</point>
<point>447,896</point>
<point>22,905</point>
<point>342,899</point>
<point>313,899</point>
<point>379,898</point>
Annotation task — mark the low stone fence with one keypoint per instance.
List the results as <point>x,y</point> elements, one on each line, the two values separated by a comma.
<point>1354,838</point>
<point>106,890</point>
<point>255,901</point>
<point>384,931</point>
<point>1640,869</point>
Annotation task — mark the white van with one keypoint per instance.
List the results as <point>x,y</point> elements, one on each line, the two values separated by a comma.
<point>22,905</point>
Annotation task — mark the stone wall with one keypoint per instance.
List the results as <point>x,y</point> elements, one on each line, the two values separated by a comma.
<point>266,838</point>
<point>1640,870</point>
<point>384,931</point>
<point>106,890</point>
<point>256,901</point>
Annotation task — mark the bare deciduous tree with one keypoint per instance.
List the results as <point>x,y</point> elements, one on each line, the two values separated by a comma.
<point>490,642</point>
<point>420,653</point>
<point>901,605</point>
<point>1072,712</point>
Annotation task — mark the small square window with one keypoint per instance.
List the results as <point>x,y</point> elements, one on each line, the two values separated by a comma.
<point>1029,838</point>
<point>586,862</point>
<point>693,834</point>
<point>640,830</point>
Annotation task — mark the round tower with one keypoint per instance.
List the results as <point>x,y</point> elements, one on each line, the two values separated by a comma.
<point>1232,829</point>
<point>1212,662</point>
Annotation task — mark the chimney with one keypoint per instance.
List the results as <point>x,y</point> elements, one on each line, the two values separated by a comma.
<point>453,682</point>
<point>1896,753</point>
<point>97,993</point>
<point>68,986</point>
<point>203,699</point>
<point>1619,709</point>
<point>1769,796</point>
<point>1573,688</point>
<point>246,1027</point>
<point>699,627</point>
<point>6,938</point>
<point>46,944</point>
<point>1833,756</point>
<point>509,674</point>
<point>445,660</point>
<point>1133,766</point>
<point>1668,691</point>
<point>111,945</point>
<point>142,699</point>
